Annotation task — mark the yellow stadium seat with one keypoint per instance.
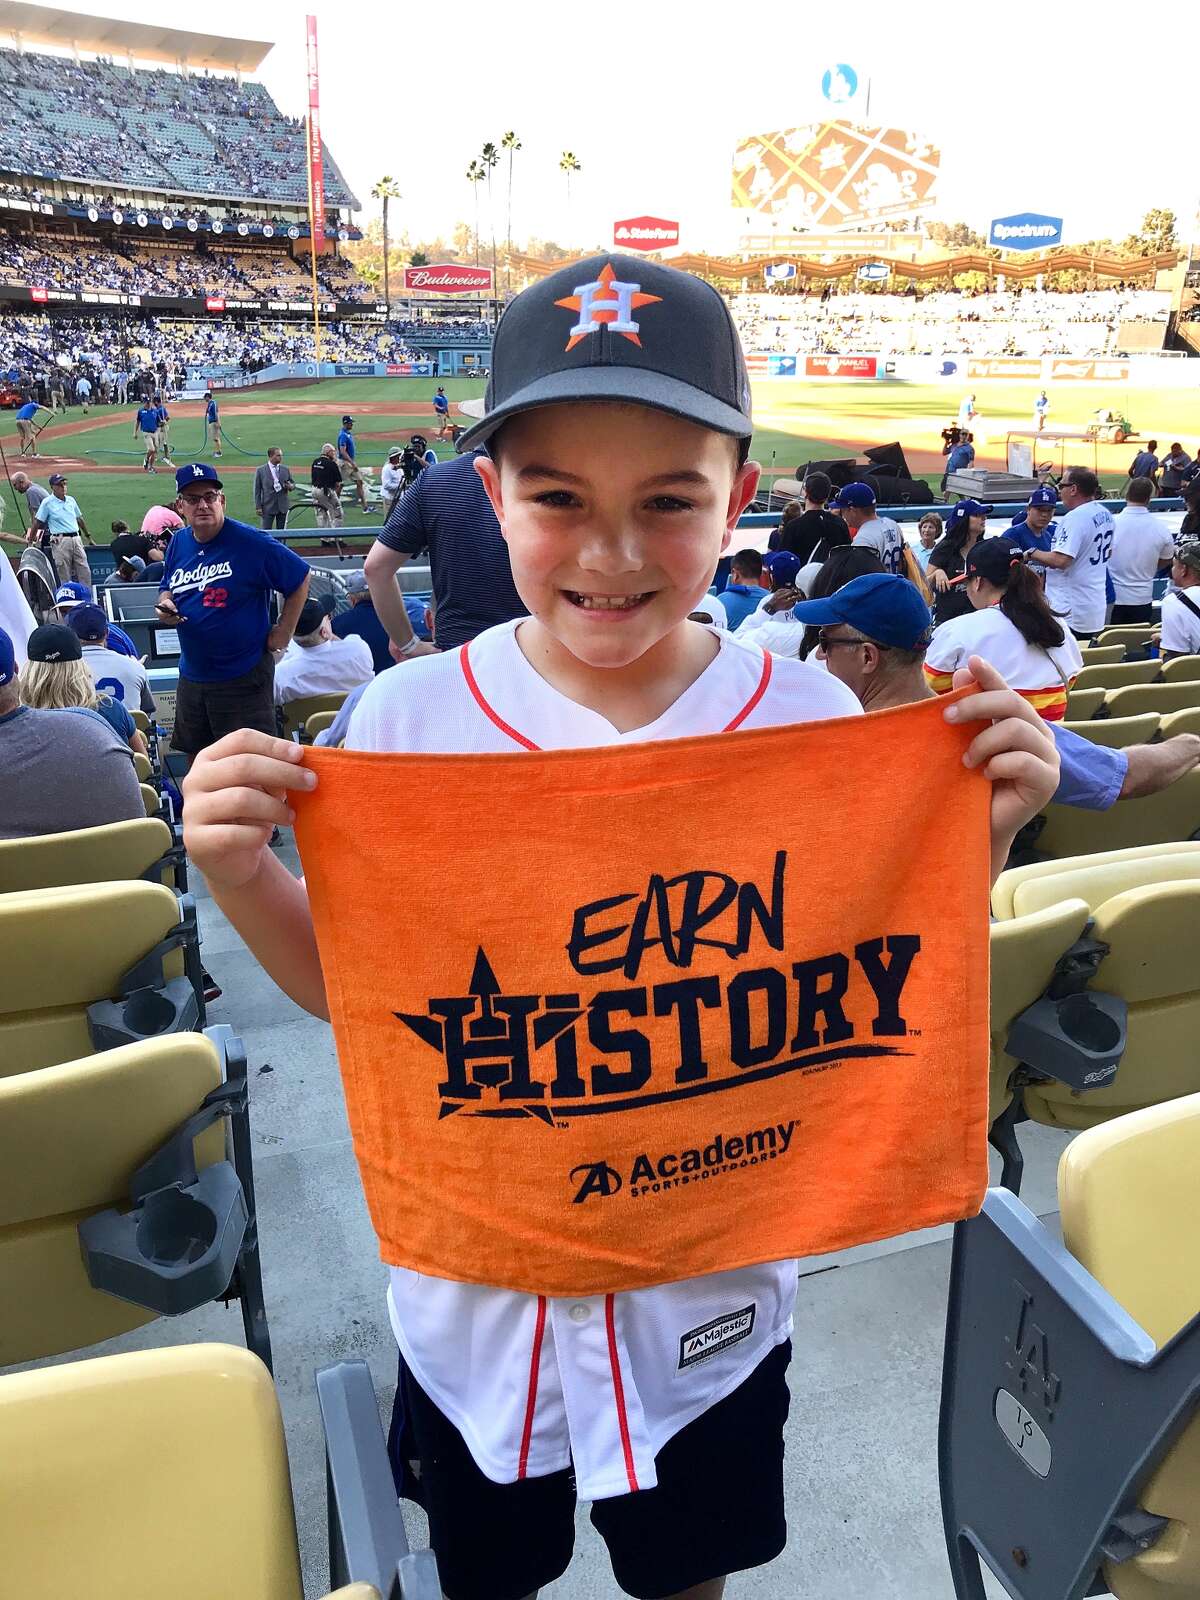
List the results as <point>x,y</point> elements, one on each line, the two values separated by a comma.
<point>1093,879</point>
<point>1137,698</point>
<point>165,1472</point>
<point>1183,669</point>
<point>317,723</point>
<point>65,950</point>
<point>142,767</point>
<point>151,799</point>
<point>1128,1194</point>
<point>107,854</point>
<point>1171,816</point>
<point>1117,674</point>
<point>1116,732</point>
<point>140,721</point>
<point>1069,1443</point>
<point>1096,655</point>
<point>1130,636</point>
<point>1083,704</point>
<point>72,1139</point>
<point>1180,722</point>
<point>297,712</point>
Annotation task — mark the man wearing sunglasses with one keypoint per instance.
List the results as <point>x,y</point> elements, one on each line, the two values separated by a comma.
<point>219,578</point>
<point>873,635</point>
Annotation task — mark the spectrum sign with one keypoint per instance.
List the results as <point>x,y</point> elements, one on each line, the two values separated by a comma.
<point>1027,230</point>
<point>645,233</point>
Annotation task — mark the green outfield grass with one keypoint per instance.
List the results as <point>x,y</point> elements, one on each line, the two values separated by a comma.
<point>798,422</point>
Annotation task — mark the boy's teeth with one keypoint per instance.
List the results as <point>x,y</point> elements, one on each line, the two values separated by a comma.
<point>606,602</point>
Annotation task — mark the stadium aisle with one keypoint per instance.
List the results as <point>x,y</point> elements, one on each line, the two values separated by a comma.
<point>861,1463</point>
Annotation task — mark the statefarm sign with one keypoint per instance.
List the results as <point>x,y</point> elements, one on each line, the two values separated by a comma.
<point>645,233</point>
<point>449,279</point>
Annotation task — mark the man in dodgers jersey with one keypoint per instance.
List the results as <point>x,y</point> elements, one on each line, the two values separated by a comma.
<point>856,502</point>
<point>617,431</point>
<point>1078,558</point>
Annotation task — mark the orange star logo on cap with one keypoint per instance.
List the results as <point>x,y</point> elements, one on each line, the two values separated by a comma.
<point>610,301</point>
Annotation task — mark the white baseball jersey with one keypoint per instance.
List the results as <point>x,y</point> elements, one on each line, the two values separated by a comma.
<point>335,666</point>
<point>534,1383</point>
<point>120,677</point>
<point>1040,675</point>
<point>1077,592</point>
<point>1141,542</point>
<point>1181,627</point>
<point>883,536</point>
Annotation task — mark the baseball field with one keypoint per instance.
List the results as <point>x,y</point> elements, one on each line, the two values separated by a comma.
<point>796,422</point>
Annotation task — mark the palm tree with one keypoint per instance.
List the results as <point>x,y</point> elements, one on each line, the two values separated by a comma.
<point>568,164</point>
<point>489,157</point>
<point>512,144</point>
<point>474,174</point>
<point>385,190</point>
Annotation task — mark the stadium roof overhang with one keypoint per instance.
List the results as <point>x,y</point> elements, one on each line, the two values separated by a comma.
<point>143,41</point>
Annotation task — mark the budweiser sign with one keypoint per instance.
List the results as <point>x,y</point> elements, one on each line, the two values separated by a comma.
<point>448,279</point>
<point>645,233</point>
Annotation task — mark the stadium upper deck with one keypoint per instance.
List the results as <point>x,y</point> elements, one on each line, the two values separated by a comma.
<point>100,122</point>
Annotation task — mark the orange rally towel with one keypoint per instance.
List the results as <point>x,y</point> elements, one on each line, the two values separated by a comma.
<point>658,1010</point>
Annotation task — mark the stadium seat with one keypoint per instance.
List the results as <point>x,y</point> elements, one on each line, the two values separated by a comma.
<point>122,1199</point>
<point>1116,732</point>
<point>1180,722</point>
<point>317,723</point>
<point>1129,636</point>
<point>1069,1449</point>
<point>143,848</point>
<point>297,712</point>
<point>1099,655</point>
<point>1183,669</point>
<point>140,721</point>
<point>1115,675</point>
<point>1170,816</point>
<point>143,767</point>
<point>93,965</point>
<point>1023,890</point>
<point>151,799</point>
<point>1137,698</point>
<point>1083,704</point>
<point>165,1472</point>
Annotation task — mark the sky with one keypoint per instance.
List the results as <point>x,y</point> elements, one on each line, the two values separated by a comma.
<point>1032,104</point>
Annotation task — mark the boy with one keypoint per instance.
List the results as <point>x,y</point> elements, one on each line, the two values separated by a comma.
<point>617,429</point>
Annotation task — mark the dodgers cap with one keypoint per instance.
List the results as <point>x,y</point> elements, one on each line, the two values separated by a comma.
<point>8,658</point>
<point>783,565</point>
<point>624,330</point>
<point>853,494</point>
<point>197,472</point>
<point>1044,495</point>
<point>54,642</point>
<point>88,623</point>
<point>57,477</point>
<point>71,594</point>
<point>357,583</point>
<point>882,607</point>
<point>992,560</point>
<point>963,510</point>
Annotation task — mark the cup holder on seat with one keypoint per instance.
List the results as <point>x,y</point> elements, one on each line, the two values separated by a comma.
<point>1078,1040</point>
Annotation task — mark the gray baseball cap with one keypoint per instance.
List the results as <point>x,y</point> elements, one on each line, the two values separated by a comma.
<point>1188,555</point>
<point>616,328</point>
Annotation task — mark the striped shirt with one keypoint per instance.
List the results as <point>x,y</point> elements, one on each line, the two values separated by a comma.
<point>1040,675</point>
<point>447,511</point>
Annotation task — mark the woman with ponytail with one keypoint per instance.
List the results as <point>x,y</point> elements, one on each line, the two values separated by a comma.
<point>1011,626</point>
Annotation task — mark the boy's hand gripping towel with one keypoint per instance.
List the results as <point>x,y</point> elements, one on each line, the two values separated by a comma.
<point>659,1010</point>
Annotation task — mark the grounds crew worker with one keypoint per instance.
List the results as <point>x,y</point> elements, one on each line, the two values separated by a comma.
<point>57,527</point>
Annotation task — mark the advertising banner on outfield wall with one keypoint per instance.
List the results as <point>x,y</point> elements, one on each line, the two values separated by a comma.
<point>447,277</point>
<point>840,366</point>
<point>1004,367</point>
<point>1063,368</point>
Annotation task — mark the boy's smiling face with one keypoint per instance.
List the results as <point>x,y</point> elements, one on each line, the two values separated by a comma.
<point>615,517</point>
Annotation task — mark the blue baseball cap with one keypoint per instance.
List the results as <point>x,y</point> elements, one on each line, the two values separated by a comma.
<point>885,609</point>
<point>1044,496</point>
<point>964,509</point>
<point>197,472</point>
<point>783,565</point>
<point>71,594</point>
<point>88,623</point>
<point>853,494</point>
<point>8,659</point>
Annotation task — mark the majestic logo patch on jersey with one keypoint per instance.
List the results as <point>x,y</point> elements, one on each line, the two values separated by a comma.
<point>609,302</point>
<point>699,1344</point>
<point>562,1055</point>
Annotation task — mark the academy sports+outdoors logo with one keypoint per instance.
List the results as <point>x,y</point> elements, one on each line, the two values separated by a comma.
<point>673,1169</point>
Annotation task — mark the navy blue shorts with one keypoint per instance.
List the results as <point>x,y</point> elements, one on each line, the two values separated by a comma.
<point>717,1507</point>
